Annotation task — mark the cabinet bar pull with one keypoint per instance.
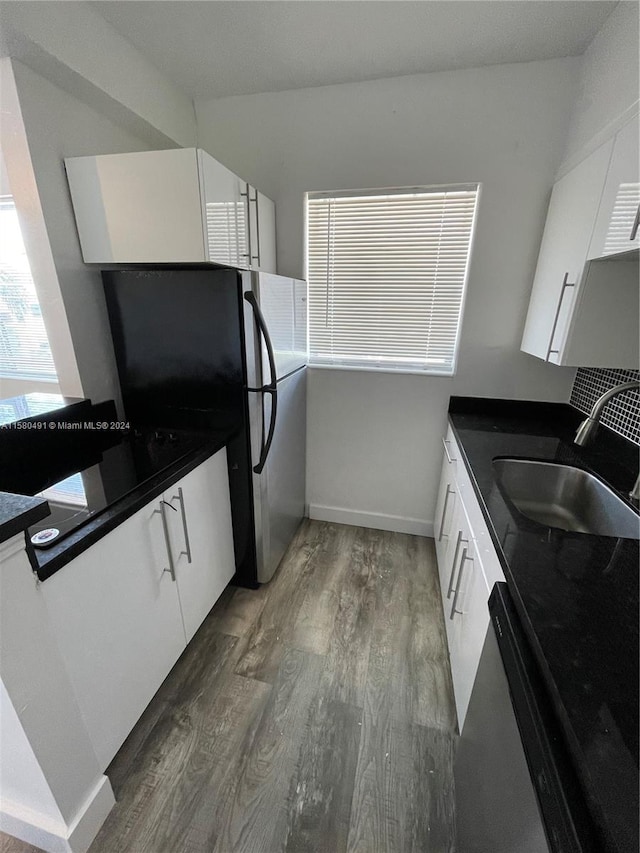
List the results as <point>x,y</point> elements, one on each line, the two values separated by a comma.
<point>565,285</point>
<point>444,510</point>
<point>249,253</point>
<point>445,442</point>
<point>255,200</point>
<point>459,584</point>
<point>453,564</point>
<point>162,512</point>
<point>636,224</point>
<point>183,513</point>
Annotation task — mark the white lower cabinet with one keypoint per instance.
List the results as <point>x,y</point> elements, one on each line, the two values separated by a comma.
<point>201,539</point>
<point>468,568</point>
<point>115,613</point>
<point>120,617</point>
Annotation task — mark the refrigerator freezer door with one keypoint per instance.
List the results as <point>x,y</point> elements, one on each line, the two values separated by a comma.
<point>283,302</point>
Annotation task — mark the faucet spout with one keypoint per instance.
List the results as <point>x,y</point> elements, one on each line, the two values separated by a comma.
<point>588,428</point>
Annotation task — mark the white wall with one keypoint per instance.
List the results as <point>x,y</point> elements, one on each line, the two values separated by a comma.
<point>608,85</point>
<point>373,439</point>
<point>14,149</point>
<point>58,126</point>
<point>73,46</point>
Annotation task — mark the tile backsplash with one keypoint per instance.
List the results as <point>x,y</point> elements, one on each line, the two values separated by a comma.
<point>622,414</point>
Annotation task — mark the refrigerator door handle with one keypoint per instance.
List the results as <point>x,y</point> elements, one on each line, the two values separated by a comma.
<point>262,326</point>
<point>271,387</point>
<point>266,445</point>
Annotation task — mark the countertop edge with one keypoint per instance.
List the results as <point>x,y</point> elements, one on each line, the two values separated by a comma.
<point>19,512</point>
<point>46,564</point>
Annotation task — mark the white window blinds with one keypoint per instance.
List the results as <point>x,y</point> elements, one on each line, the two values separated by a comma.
<point>24,347</point>
<point>386,275</point>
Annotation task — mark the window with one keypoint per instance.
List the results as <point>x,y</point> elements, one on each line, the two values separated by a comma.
<point>386,274</point>
<point>24,347</point>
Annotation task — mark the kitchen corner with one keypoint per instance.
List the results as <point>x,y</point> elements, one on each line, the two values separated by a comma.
<point>576,595</point>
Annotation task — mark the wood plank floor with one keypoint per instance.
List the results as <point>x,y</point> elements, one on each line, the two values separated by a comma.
<point>314,715</point>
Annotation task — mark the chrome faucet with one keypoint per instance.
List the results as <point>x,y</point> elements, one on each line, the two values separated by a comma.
<point>589,426</point>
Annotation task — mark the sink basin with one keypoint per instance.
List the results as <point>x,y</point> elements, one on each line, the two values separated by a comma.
<point>565,497</point>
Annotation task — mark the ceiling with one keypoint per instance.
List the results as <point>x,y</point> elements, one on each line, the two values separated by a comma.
<point>214,48</point>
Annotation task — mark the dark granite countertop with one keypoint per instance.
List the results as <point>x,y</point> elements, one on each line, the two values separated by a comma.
<point>576,595</point>
<point>47,562</point>
<point>17,512</point>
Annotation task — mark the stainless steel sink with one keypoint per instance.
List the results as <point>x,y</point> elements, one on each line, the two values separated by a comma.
<point>565,497</point>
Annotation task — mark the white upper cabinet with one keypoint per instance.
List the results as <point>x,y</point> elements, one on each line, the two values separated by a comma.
<point>563,251</point>
<point>138,208</point>
<point>174,206</point>
<point>617,224</point>
<point>224,213</point>
<point>261,243</point>
<point>578,312</point>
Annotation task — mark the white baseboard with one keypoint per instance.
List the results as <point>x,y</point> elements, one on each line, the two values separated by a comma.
<point>376,520</point>
<point>55,837</point>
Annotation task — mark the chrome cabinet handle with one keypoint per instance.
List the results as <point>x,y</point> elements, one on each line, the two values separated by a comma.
<point>183,513</point>
<point>636,224</point>
<point>255,201</point>
<point>459,584</point>
<point>249,253</point>
<point>453,563</point>
<point>445,442</point>
<point>565,285</point>
<point>444,510</point>
<point>162,512</point>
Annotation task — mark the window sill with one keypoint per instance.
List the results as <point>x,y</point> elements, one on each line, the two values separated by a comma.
<point>399,372</point>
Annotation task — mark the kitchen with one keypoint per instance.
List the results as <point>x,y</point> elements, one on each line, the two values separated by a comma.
<point>374,451</point>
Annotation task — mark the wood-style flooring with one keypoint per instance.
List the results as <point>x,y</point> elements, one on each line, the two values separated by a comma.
<point>314,715</point>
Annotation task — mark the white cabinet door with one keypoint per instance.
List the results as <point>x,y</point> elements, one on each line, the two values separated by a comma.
<point>604,327</point>
<point>224,213</point>
<point>267,234</point>
<point>457,545</point>
<point>567,235</point>
<point>445,509</point>
<point>262,231</point>
<point>138,208</point>
<point>469,615</point>
<point>468,566</point>
<point>616,229</point>
<point>116,615</point>
<point>201,538</point>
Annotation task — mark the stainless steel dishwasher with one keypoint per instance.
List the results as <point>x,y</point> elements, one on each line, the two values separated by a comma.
<point>516,790</point>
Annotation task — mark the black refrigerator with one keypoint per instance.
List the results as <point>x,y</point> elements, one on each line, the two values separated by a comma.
<point>216,349</point>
